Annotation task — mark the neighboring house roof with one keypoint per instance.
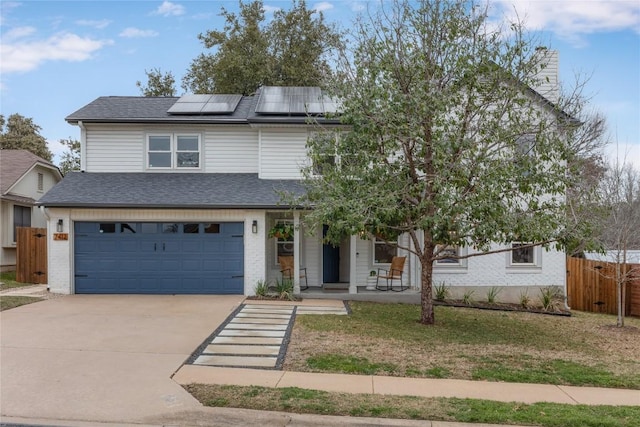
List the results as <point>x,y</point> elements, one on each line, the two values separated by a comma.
<point>169,190</point>
<point>14,165</point>
<point>130,109</point>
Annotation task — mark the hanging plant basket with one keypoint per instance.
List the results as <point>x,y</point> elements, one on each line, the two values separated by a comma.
<point>281,231</point>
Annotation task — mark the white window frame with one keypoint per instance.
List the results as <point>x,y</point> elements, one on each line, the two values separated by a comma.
<point>280,241</point>
<point>375,242</point>
<point>535,265</point>
<point>173,150</point>
<point>40,182</point>
<point>456,264</point>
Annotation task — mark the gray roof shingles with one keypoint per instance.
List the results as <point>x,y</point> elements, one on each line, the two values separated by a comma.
<point>169,190</point>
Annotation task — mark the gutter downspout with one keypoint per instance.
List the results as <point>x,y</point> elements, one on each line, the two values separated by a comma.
<point>83,146</point>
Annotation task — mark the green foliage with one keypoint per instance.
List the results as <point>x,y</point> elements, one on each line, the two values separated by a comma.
<point>8,280</point>
<point>8,302</point>
<point>492,294</point>
<point>550,297</point>
<point>298,400</point>
<point>21,133</point>
<point>70,160</point>
<point>261,288</point>
<point>158,84</point>
<point>349,364</point>
<point>525,299</point>
<point>292,50</point>
<point>281,230</point>
<point>467,297</point>
<point>525,370</point>
<point>441,291</point>
<point>284,289</point>
<point>419,92</point>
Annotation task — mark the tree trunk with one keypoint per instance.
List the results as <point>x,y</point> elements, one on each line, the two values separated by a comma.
<point>426,279</point>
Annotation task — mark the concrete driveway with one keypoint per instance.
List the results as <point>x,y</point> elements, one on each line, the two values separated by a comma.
<point>103,357</point>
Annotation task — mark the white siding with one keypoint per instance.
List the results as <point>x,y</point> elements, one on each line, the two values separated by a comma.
<point>282,153</point>
<point>115,149</point>
<point>226,149</point>
<point>231,150</point>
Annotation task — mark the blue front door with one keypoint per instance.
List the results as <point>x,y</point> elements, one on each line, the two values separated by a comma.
<point>159,258</point>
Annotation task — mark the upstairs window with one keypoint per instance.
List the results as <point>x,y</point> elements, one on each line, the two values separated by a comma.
<point>173,151</point>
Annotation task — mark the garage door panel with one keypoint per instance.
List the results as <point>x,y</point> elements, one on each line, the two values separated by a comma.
<point>129,257</point>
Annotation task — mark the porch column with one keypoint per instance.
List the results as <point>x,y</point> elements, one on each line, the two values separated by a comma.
<point>353,261</point>
<point>296,252</point>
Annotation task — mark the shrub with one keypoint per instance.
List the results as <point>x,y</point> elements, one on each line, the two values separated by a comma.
<point>525,299</point>
<point>467,298</point>
<point>261,288</point>
<point>549,298</point>
<point>284,289</point>
<point>492,294</point>
<point>441,291</point>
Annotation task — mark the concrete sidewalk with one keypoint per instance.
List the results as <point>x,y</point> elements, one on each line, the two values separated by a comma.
<point>421,387</point>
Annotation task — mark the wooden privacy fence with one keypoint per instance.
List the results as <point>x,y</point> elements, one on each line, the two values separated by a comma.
<point>591,286</point>
<point>31,255</point>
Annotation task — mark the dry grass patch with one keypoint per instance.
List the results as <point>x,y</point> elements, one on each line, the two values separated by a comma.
<point>472,344</point>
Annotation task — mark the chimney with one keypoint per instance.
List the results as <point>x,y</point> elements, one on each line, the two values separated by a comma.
<point>547,83</point>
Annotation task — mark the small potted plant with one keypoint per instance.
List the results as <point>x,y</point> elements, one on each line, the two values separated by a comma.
<point>282,230</point>
<point>371,281</point>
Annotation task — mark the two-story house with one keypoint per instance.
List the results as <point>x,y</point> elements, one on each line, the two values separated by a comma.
<point>177,195</point>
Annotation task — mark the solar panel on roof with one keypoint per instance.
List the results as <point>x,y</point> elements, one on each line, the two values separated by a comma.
<point>205,104</point>
<point>290,100</point>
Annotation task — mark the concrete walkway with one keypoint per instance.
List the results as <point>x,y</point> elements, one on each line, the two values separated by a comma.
<point>256,337</point>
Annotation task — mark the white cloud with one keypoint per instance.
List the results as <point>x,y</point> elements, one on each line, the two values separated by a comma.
<point>170,9</point>
<point>572,20</point>
<point>22,56</point>
<point>271,9</point>
<point>322,6</point>
<point>358,6</point>
<point>137,33</point>
<point>18,33</point>
<point>101,24</point>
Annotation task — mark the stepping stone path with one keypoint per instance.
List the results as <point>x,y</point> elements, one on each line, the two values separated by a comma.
<point>256,336</point>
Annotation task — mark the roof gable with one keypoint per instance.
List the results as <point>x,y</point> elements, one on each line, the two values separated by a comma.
<point>15,164</point>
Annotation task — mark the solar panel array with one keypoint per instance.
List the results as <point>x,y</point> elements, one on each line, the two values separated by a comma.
<point>205,104</point>
<point>294,101</point>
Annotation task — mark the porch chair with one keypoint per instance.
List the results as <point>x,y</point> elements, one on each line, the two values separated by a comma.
<point>286,268</point>
<point>394,273</point>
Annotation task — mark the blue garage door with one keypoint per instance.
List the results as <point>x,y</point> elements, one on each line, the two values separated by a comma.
<point>159,258</point>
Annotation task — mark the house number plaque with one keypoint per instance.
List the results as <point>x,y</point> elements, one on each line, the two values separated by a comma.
<point>60,236</point>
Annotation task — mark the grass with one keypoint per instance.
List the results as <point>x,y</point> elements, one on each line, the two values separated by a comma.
<point>8,302</point>
<point>406,407</point>
<point>8,280</point>
<point>585,349</point>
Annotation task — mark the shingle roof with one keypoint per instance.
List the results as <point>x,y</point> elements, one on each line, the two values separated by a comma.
<point>142,109</point>
<point>169,190</point>
<point>14,164</point>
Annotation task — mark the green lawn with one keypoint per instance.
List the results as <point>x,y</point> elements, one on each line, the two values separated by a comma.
<point>8,302</point>
<point>8,280</point>
<point>386,339</point>
<point>405,407</point>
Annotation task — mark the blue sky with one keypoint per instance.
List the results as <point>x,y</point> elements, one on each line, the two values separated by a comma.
<point>57,56</point>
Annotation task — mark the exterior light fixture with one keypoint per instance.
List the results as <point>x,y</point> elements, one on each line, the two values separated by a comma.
<point>254,226</point>
<point>60,226</point>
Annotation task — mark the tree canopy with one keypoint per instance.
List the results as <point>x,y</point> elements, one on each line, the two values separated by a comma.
<point>158,83</point>
<point>447,143</point>
<point>70,159</point>
<point>292,50</point>
<point>21,133</point>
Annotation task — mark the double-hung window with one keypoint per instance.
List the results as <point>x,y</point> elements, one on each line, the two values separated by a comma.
<point>21,218</point>
<point>524,258</point>
<point>173,151</point>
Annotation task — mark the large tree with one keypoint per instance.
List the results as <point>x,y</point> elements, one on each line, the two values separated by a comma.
<point>158,83</point>
<point>70,159</point>
<point>448,145</point>
<point>292,50</point>
<point>21,133</point>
